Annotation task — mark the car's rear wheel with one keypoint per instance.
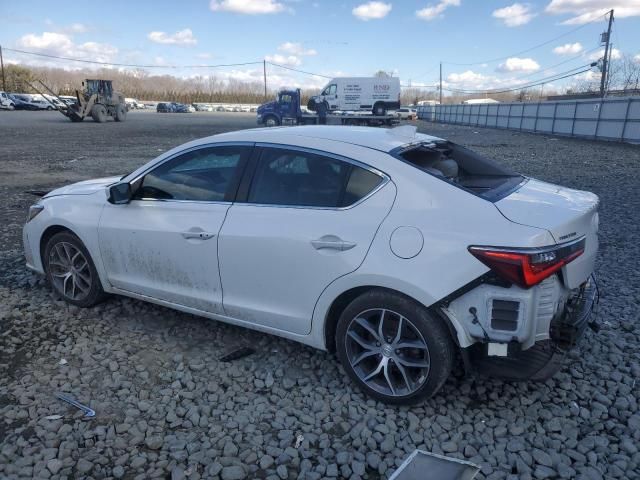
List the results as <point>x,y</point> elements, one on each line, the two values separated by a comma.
<point>393,348</point>
<point>71,271</point>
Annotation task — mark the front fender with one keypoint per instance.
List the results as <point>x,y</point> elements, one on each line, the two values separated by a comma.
<point>78,213</point>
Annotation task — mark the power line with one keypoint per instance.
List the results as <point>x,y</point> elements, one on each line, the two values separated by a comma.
<point>522,51</point>
<point>114,64</point>
<point>520,87</point>
<point>581,55</point>
<point>299,71</point>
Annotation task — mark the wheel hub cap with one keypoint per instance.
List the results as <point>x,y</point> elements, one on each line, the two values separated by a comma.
<point>387,352</point>
<point>69,270</point>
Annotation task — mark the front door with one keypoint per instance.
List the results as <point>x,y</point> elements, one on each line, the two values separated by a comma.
<point>164,243</point>
<point>307,220</point>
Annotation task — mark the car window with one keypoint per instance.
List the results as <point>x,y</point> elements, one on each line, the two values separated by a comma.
<point>294,178</point>
<point>361,183</point>
<point>287,177</point>
<point>200,175</point>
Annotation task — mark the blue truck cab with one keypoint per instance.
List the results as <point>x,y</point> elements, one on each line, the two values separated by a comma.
<point>284,110</point>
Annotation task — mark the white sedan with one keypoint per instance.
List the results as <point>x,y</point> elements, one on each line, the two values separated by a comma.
<point>401,252</point>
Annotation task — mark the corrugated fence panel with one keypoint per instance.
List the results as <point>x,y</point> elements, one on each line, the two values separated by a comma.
<point>606,119</point>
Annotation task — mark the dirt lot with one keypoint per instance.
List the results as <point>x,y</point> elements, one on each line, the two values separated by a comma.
<point>168,408</point>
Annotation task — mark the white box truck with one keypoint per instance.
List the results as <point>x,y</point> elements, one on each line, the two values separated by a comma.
<point>353,94</point>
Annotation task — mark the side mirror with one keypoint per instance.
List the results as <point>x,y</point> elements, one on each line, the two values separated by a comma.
<point>120,193</point>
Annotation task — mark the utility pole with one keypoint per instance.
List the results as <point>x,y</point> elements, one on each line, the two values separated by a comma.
<point>440,83</point>
<point>4,85</point>
<point>606,37</point>
<point>264,71</point>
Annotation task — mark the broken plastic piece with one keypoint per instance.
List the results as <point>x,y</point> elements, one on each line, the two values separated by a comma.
<point>66,398</point>
<point>421,465</point>
<point>53,417</point>
<point>299,440</point>
<point>236,354</point>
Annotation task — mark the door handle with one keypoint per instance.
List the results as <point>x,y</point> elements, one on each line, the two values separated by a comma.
<point>198,235</point>
<point>331,242</point>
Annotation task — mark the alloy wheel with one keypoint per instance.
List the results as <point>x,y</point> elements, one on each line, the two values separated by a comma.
<point>69,270</point>
<point>387,352</point>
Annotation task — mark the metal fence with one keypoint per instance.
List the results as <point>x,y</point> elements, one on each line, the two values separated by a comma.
<point>604,119</point>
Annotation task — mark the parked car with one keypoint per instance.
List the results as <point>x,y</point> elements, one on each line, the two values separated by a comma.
<point>415,249</point>
<point>6,102</point>
<point>41,103</point>
<point>69,100</point>
<point>406,113</point>
<point>23,102</point>
<point>164,107</point>
<point>190,108</point>
<point>133,104</point>
<point>179,107</point>
<point>201,107</point>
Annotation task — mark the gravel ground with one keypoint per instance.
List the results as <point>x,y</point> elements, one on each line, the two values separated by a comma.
<point>166,407</point>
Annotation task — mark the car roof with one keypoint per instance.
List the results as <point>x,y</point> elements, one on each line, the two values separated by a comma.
<point>382,139</point>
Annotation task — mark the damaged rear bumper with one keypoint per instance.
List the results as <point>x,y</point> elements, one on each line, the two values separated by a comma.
<point>545,357</point>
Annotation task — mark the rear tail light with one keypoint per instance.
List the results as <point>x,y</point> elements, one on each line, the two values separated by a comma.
<point>527,267</point>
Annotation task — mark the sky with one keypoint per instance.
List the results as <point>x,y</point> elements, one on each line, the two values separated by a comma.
<point>483,44</point>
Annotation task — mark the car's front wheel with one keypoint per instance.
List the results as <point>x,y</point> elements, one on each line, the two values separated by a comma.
<point>71,271</point>
<point>393,347</point>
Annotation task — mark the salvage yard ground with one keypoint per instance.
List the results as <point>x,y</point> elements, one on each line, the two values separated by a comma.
<point>166,407</point>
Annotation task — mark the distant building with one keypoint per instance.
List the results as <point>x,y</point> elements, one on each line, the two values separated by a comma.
<point>428,102</point>
<point>475,101</point>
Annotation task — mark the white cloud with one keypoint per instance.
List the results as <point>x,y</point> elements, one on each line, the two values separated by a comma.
<point>467,78</point>
<point>587,11</point>
<point>75,28</point>
<point>514,15</point>
<point>615,54</point>
<point>568,49</point>
<point>183,38</point>
<point>372,10</point>
<point>204,55</point>
<point>431,12</point>
<point>470,80</point>
<point>289,60</point>
<point>61,44</point>
<point>248,7</point>
<point>637,58</point>
<point>296,49</point>
<point>515,64</point>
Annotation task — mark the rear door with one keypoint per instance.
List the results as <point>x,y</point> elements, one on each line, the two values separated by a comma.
<point>307,218</point>
<point>164,243</point>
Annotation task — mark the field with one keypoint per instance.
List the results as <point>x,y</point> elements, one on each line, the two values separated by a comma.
<point>167,407</point>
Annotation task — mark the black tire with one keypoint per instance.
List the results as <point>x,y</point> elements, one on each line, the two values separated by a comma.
<point>49,107</point>
<point>63,241</point>
<point>430,329</point>
<point>99,113</point>
<point>311,105</point>
<point>271,121</point>
<point>379,109</point>
<point>121,113</point>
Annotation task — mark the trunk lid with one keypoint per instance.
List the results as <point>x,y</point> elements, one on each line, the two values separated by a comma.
<point>566,213</point>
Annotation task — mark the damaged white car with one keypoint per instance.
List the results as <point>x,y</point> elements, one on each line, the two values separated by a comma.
<point>401,252</point>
